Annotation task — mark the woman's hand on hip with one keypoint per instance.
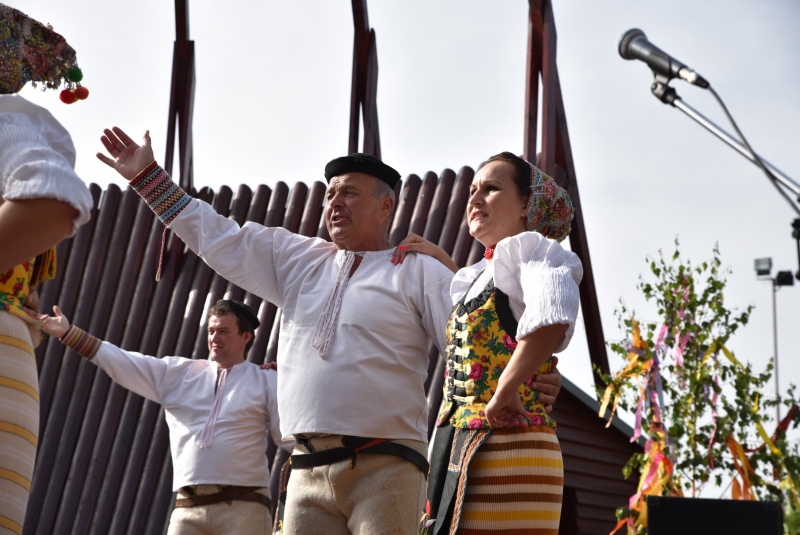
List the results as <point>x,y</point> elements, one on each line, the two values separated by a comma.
<point>505,410</point>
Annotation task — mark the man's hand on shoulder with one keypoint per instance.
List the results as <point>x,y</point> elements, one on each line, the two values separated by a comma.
<point>548,385</point>
<point>270,366</point>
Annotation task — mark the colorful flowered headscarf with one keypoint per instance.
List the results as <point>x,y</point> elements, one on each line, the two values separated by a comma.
<point>33,52</point>
<point>549,211</point>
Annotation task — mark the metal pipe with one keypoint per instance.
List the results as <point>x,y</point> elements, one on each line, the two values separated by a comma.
<point>775,347</point>
<point>784,179</point>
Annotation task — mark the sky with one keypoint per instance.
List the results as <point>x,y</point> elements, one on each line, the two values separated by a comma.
<point>273,93</point>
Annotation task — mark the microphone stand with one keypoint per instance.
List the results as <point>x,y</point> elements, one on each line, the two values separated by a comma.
<point>667,94</point>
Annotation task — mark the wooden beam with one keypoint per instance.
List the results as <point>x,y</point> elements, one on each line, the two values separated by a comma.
<point>361,52</point>
<point>549,89</point>
<point>556,160</point>
<point>533,71</point>
<point>364,89</point>
<point>372,137</point>
<point>580,246</point>
<point>181,101</point>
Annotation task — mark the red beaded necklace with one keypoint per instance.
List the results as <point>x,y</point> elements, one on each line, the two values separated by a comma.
<point>489,251</point>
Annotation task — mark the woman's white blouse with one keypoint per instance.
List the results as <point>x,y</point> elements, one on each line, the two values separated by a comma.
<point>37,158</point>
<point>539,276</point>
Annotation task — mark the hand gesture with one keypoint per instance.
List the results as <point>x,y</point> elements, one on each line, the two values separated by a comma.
<point>505,410</point>
<point>31,304</point>
<point>548,385</point>
<point>56,326</point>
<point>270,366</point>
<point>417,244</point>
<point>127,158</point>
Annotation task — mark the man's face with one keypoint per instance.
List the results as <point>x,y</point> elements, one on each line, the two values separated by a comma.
<point>225,344</point>
<point>355,218</point>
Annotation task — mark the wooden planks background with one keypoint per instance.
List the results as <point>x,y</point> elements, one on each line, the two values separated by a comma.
<point>103,463</point>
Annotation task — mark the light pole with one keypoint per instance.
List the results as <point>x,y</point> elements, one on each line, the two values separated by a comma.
<point>763,268</point>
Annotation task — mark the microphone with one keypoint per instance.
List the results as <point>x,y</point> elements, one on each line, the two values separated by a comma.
<point>633,44</point>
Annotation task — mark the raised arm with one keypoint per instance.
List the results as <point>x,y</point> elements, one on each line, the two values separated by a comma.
<point>246,255</point>
<point>139,373</point>
<point>24,233</point>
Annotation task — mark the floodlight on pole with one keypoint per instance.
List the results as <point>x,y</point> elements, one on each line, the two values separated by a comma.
<point>763,267</point>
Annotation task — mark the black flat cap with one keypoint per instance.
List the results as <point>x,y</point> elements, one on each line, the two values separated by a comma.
<point>242,309</point>
<point>362,163</point>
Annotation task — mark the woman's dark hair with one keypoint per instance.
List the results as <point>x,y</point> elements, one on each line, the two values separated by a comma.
<point>521,172</point>
<point>241,321</point>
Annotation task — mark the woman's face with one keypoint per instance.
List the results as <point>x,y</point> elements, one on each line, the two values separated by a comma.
<point>495,209</point>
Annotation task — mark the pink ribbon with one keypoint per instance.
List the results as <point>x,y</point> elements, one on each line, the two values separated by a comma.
<point>680,346</point>
<point>661,334</point>
<point>208,431</point>
<point>326,324</point>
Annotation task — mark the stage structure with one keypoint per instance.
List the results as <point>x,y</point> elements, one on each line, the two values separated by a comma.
<point>103,464</point>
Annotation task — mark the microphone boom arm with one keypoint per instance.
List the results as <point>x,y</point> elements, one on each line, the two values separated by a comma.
<point>667,95</point>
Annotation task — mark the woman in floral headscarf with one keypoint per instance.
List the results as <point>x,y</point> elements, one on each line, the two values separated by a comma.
<point>42,201</point>
<point>496,463</point>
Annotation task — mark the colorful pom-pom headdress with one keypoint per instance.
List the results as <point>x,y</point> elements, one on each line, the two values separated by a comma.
<point>33,52</point>
<point>549,210</point>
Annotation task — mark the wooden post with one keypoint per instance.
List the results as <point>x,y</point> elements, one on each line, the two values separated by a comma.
<point>181,100</point>
<point>556,160</point>
<point>364,90</point>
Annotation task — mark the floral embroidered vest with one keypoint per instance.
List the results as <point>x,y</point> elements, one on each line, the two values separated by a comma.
<point>15,284</point>
<point>481,339</point>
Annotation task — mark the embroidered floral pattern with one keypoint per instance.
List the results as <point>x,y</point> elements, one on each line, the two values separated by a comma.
<point>15,283</point>
<point>485,349</point>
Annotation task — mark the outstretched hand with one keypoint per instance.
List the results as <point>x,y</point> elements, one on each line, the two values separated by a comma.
<point>127,157</point>
<point>56,326</point>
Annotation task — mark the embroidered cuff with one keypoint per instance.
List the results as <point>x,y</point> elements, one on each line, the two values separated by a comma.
<point>163,196</point>
<point>82,342</point>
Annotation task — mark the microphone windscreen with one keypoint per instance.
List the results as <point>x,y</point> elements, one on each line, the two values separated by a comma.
<point>625,41</point>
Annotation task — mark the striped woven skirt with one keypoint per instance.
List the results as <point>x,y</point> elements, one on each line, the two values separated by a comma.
<point>19,420</point>
<point>515,482</point>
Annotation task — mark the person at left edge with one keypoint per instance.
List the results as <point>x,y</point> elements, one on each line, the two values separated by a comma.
<point>37,157</point>
<point>42,201</point>
<point>218,412</point>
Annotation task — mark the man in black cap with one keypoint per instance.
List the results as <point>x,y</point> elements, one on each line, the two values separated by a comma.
<point>218,412</point>
<point>355,331</point>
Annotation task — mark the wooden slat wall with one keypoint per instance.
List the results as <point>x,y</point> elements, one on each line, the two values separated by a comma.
<point>103,463</point>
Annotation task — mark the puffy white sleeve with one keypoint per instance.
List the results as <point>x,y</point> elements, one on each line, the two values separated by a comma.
<point>545,275</point>
<point>272,411</point>
<point>37,158</point>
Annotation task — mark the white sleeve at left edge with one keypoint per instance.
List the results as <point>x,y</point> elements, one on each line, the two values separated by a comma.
<point>545,275</point>
<point>37,158</point>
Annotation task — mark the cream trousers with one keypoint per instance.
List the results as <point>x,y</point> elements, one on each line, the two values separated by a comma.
<point>238,518</point>
<point>382,495</point>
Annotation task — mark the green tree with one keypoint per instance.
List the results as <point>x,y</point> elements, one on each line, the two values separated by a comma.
<point>700,410</point>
